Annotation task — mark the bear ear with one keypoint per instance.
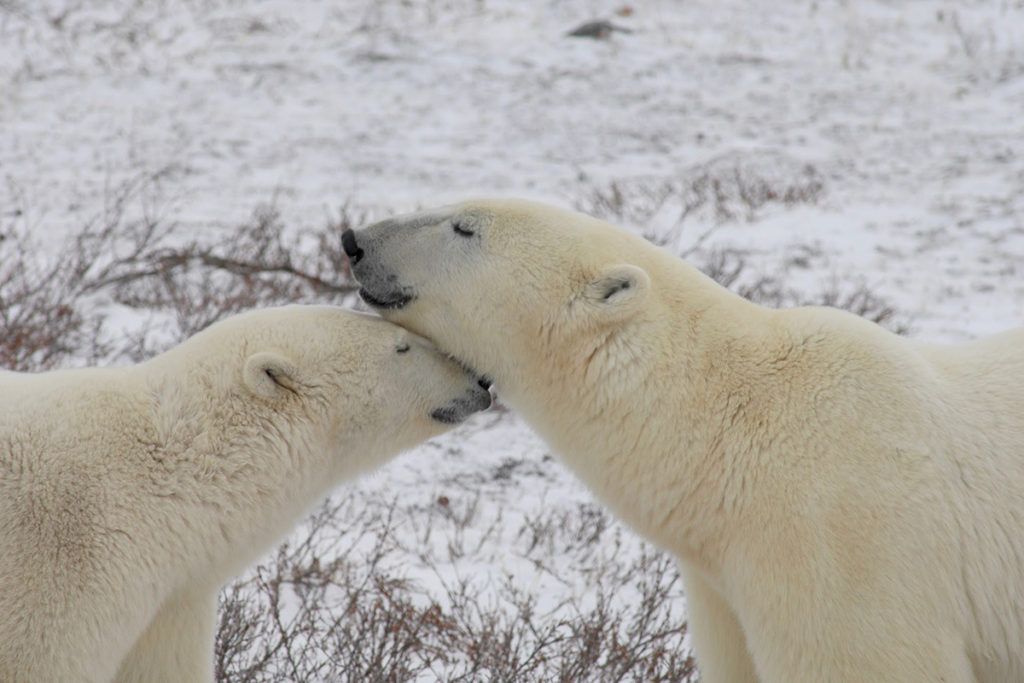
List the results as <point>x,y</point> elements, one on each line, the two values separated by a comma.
<point>618,291</point>
<point>268,374</point>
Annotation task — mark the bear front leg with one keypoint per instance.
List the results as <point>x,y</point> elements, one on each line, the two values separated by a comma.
<point>718,639</point>
<point>900,662</point>
<point>835,633</point>
<point>177,645</point>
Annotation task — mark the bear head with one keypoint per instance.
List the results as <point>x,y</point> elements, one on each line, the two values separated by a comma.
<point>504,284</point>
<point>319,380</point>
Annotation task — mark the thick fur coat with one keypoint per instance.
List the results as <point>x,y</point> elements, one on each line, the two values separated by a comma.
<point>128,496</point>
<point>847,504</point>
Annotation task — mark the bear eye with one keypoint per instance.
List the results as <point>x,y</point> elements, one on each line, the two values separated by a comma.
<point>402,348</point>
<point>461,230</point>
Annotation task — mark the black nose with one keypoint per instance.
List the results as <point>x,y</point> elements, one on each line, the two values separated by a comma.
<point>348,243</point>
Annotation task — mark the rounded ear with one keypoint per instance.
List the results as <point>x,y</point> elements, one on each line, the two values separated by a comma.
<point>618,291</point>
<point>267,374</point>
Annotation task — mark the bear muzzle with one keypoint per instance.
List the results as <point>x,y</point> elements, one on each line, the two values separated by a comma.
<point>458,409</point>
<point>379,291</point>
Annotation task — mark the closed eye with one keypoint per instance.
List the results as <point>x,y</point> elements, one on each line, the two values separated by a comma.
<point>402,348</point>
<point>461,230</point>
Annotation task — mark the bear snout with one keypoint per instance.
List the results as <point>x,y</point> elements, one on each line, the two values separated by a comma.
<point>348,243</point>
<point>475,400</point>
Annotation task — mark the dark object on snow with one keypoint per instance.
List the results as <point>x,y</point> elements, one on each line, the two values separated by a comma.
<point>599,30</point>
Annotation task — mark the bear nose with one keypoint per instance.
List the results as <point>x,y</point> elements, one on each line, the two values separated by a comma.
<point>348,243</point>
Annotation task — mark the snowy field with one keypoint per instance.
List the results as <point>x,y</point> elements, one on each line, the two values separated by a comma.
<point>869,154</point>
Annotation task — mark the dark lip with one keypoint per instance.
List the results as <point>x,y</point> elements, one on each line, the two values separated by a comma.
<point>460,409</point>
<point>447,416</point>
<point>385,304</point>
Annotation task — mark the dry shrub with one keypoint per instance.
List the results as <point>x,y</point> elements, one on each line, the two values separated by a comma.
<point>254,265</point>
<point>731,186</point>
<point>49,315</point>
<point>339,605</point>
<point>728,267</point>
<point>734,186</point>
<point>40,327</point>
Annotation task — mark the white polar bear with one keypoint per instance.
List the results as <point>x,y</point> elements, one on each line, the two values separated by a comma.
<point>847,504</point>
<point>129,495</point>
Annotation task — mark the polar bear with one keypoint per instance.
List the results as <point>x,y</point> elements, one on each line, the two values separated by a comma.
<point>129,495</point>
<point>846,504</point>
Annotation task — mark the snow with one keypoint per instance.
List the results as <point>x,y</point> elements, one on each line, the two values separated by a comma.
<point>910,115</point>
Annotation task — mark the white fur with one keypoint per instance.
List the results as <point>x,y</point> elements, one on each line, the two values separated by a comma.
<point>847,504</point>
<point>128,496</point>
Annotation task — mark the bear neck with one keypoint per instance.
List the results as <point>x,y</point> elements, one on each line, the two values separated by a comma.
<point>648,418</point>
<point>259,493</point>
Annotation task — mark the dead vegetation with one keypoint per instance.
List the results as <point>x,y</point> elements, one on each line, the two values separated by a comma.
<point>339,606</point>
<point>684,214</point>
<point>730,187</point>
<point>132,258</point>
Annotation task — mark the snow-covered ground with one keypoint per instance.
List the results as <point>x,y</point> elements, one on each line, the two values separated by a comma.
<point>886,140</point>
<point>913,112</point>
